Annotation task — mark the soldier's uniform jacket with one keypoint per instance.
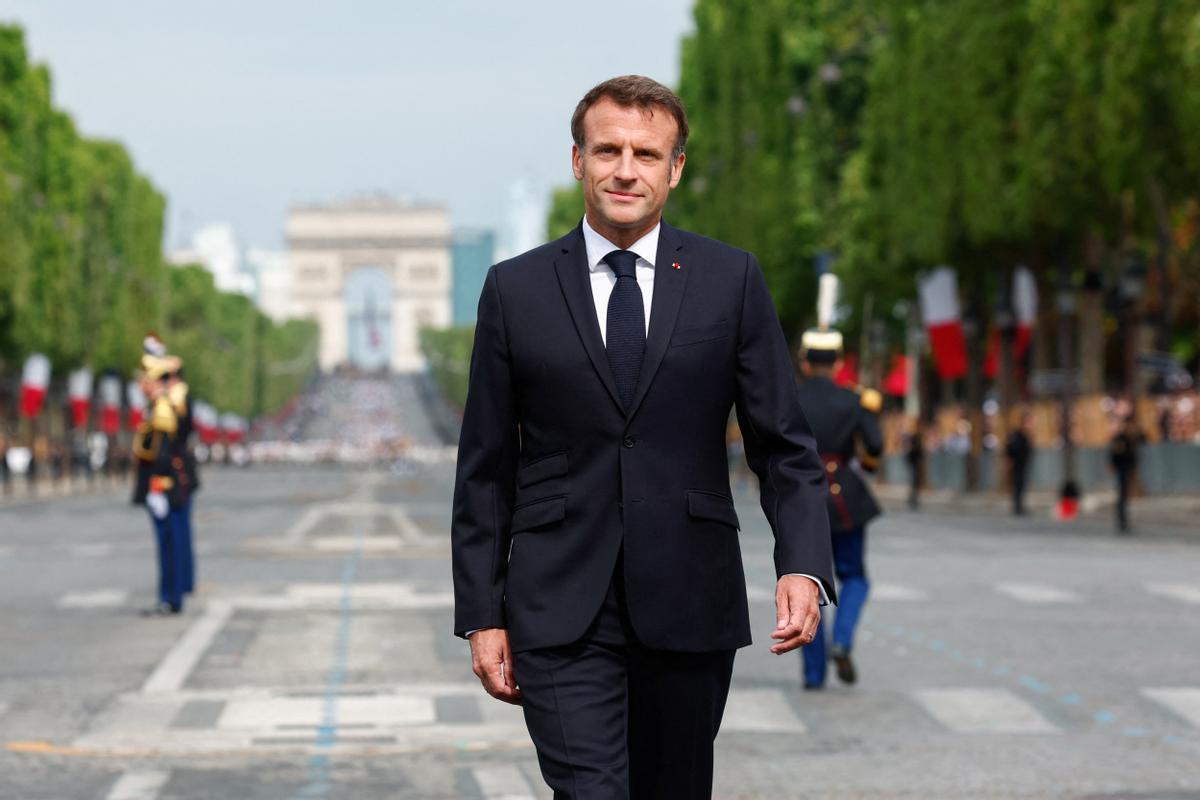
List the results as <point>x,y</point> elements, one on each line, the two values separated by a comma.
<point>160,445</point>
<point>843,420</point>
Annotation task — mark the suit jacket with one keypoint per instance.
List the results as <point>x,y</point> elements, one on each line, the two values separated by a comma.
<point>555,479</point>
<point>842,425</point>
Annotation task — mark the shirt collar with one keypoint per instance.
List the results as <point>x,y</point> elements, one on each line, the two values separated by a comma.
<point>598,247</point>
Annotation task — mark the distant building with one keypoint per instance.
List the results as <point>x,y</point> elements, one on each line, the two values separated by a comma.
<point>215,248</point>
<point>473,251</point>
<point>372,272</point>
<point>273,282</point>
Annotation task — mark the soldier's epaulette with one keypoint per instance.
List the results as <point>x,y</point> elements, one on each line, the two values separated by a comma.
<point>870,399</point>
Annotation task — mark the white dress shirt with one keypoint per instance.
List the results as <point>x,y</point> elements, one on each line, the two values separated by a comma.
<point>604,279</point>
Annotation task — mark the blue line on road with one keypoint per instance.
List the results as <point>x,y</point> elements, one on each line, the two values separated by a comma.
<point>327,733</point>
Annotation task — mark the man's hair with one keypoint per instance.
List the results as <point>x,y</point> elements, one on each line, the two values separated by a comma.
<point>645,94</point>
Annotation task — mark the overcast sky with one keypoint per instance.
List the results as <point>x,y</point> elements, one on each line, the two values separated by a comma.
<point>238,109</point>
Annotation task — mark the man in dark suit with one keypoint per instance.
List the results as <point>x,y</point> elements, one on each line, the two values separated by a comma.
<point>597,570</point>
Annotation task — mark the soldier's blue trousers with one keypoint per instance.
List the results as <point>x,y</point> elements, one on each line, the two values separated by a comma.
<point>170,532</point>
<point>849,563</point>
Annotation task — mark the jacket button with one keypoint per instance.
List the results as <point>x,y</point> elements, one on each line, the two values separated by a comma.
<point>629,441</point>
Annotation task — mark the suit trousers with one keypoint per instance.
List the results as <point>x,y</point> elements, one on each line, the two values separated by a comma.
<point>613,719</point>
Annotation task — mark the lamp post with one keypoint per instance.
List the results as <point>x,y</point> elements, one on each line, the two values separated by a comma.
<point>1130,288</point>
<point>1006,323</point>
<point>1065,303</point>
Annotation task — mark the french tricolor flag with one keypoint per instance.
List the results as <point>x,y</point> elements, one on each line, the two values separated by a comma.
<point>942,314</point>
<point>110,404</point>
<point>79,393</point>
<point>35,377</point>
<point>1025,310</point>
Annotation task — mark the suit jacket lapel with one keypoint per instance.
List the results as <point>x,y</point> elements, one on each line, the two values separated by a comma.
<point>573,278</point>
<point>664,309</point>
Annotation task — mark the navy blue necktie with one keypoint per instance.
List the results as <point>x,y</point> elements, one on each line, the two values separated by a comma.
<point>625,339</point>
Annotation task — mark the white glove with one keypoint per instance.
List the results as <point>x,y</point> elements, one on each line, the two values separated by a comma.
<point>157,503</point>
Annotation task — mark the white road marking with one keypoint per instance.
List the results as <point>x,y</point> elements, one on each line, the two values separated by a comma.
<point>93,550</point>
<point>410,531</point>
<point>898,593</point>
<point>1183,702</point>
<point>139,785</point>
<point>301,527</point>
<point>388,710</point>
<point>348,544</point>
<point>505,782</point>
<point>1038,593</point>
<point>173,671</point>
<point>364,597</point>
<point>983,711</point>
<point>1185,592</point>
<point>765,710</point>
<point>101,598</point>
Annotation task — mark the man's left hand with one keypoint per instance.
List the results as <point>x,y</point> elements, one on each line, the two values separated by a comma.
<point>797,612</point>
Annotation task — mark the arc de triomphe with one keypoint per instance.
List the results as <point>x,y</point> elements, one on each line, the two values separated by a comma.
<point>409,244</point>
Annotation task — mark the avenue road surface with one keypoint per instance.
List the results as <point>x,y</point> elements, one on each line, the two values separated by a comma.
<point>998,658</point>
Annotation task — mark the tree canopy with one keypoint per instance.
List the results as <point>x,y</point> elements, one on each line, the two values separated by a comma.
<point>82,276</point>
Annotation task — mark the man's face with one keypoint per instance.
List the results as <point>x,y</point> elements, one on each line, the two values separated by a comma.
<point>626,166</point>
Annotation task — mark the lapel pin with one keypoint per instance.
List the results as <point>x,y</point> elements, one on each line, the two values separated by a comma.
<point>676,265</point>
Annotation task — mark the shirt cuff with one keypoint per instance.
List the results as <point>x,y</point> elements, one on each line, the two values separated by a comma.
<point>817,581</point>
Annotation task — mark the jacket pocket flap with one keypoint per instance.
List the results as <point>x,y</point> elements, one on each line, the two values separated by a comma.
<point>710,505</point>
<point>544,468</point>
<point>703,333</point>
<point>539,513</point>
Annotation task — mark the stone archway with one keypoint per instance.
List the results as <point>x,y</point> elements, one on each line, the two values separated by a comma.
<point>408,244</point>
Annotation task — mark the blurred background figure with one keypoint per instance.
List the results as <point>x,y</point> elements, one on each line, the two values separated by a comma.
<point>914,455</point>
<point>1123,457</point>
<point>1018,451</point>
<point>842,420</point>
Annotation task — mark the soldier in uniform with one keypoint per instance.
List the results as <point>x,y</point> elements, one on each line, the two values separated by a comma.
<point>843,420</point>
<point>163,485</point>
<point>184,463</point>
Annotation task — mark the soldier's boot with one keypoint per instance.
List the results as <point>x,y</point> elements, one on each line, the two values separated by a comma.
<point>845,666</point>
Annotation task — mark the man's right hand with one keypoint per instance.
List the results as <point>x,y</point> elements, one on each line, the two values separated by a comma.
<point>491,659</point>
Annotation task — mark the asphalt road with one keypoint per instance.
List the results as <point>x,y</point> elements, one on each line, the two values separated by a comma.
<point>998,659</point>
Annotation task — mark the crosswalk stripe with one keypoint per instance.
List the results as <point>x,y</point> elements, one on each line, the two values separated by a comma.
<point>983,711</point>
<point>895,592</point>
<point>379,710</point>
<point>138,785</point>
<point>1037,593</point>
<point>1184,592</point>
<point>506,782</point>
<point>101,598</point>
<point>760,710</point>
<point>1184,702</point>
